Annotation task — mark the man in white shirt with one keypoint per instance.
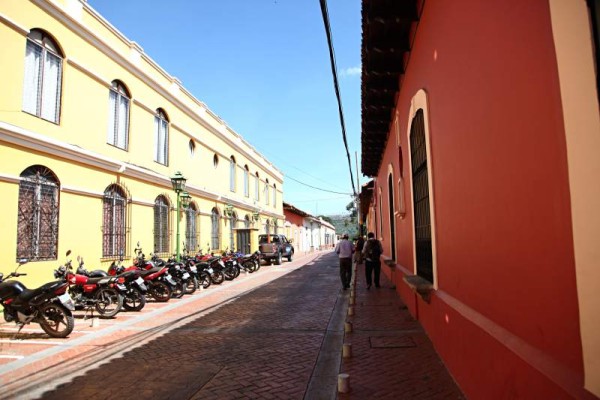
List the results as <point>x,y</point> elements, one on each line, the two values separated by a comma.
<point>344,249</point>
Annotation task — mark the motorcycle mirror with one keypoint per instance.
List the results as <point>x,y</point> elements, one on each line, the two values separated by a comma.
<point>23,261</point>
<point>78,259</point>
<point>68,253</point>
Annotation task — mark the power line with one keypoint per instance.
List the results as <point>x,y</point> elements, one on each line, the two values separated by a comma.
<point>314,187</point>
<point>336,85</point>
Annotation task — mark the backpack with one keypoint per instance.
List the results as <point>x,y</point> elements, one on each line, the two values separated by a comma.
<point>374,250</point>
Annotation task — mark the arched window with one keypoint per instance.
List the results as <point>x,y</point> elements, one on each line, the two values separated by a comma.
<point>118,115</point>
<point>247,221</point>
<point>161,137</point>
<point>266,192</point>
<point>215,231</point>
<point>233,220</point>
<point>43,76</point>
<point>114,221</point>
<point>246,181</point>
<point>191,233</point>
<point>215,161</point>
<point>274,195</point>
<point>161,225</point>
<point>256,191</point>
<point>421,200</point>
<point>232,174</point>
<point>37,219</point>
<point>267,227</point>
<point>391,215</point>
<point>192,147</point>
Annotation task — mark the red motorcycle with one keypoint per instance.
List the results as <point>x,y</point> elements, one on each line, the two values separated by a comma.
<point>91,293</point>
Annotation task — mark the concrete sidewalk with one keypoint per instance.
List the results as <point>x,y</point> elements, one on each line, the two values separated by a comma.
<point>392,357</point>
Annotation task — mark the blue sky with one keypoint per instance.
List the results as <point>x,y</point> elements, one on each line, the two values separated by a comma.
<point>263,67</point>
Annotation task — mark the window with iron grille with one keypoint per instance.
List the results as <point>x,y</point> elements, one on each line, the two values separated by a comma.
<point>114,217</point>
<point>118,116</point>
<point>233,224</point>
<point>421,204</point>
<point>161,138</point>
<point>43,76</point>
<point>37,219</point>
<point>161,225</point>
<point>191,235</point>
<point>215,229</point>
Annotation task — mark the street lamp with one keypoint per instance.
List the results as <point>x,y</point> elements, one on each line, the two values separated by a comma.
<point>178,182</point>
<point>229,209</point>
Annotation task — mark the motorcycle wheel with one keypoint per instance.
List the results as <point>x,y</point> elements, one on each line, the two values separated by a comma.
<point>237,271</point>
<point>205,280</point>
<point>178,290</point>
<point>217,277</point>
<point>108,302</point>
<point>160,291</point>
<point>229,273</point>
<point>191,285</point>
<point>249,266</point>
<point>134,301</point>
<point>256,265</point>
<point>56,320</point>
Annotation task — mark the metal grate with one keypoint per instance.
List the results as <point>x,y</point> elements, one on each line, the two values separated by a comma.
<point>37,226</point>
<point>215,230</point>
<point>420,183</point>
<point>191,235</point>
<point>161,225</point>
<point>114,220</point>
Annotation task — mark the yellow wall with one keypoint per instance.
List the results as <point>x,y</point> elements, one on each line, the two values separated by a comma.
<point>76,149</point>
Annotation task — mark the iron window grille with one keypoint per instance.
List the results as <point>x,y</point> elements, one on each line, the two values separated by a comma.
<point>114,217</point>
<point>37,221</point>
<point>43,76</point>
<point>161,225</point>
<point>191,235</point>
<point>215,230</point>
<point>421,205</point>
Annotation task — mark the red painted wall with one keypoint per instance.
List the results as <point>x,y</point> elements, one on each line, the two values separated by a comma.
<point>502,210</point>
<point>293,218</point>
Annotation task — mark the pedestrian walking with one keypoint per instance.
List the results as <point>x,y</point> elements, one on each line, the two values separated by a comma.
<point>344,249</point>
<point>372,252</point>
<point>360,244</point>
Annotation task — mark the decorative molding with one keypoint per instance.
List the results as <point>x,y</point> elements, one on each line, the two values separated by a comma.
<point>9,178</point>
<point>81,192</point>
<point>13,25</point>
<point>83,32</point>
<point>104,82</point>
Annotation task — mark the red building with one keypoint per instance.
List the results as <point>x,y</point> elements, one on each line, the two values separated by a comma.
<point>481,129</point>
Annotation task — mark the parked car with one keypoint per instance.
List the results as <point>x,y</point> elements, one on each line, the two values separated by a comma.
<point>274,247</point>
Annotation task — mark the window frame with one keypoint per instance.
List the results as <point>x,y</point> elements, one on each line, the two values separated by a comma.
<point>44,46</point>
<point>44,189</point>
<point>162,221</point>
<point>121,93</point>
<point>161,121</point>
<point>117,235</point>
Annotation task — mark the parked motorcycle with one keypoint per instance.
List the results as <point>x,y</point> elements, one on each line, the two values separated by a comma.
<point>157,279</point>
<point>49,305</point>
<point>91,293</point>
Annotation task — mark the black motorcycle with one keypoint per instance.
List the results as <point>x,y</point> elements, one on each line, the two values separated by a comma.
<point>49,305</point>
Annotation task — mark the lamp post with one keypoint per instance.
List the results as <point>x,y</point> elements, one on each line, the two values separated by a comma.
<point>178,182</point>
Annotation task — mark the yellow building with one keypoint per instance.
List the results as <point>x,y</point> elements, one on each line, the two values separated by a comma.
<point>91,132</point>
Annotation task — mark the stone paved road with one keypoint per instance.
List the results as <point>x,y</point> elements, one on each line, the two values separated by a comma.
<point>263,344</point>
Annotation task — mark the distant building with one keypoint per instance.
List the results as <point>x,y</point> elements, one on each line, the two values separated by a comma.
<point>481,131</point>
<point>308,233</point>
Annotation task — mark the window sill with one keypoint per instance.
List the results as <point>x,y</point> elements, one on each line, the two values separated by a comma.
<point>420,286</point>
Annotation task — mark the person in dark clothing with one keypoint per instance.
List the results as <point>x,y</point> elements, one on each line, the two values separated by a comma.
<point>360,244</point>
<point>372,252</point>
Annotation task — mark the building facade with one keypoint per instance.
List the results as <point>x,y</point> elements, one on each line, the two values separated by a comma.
<point>480,128</point>
<point>307,232</point>
<point>91,132</point>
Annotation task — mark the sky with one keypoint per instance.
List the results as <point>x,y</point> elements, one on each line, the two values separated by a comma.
<point>263,67</point>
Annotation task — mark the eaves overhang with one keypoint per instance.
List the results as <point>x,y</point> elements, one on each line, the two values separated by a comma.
<point>388,27</point>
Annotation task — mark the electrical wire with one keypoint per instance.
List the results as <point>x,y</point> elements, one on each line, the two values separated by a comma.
<point>336,85</point>
<point>314,187</point>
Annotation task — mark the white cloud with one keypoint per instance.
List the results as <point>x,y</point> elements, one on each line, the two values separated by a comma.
<point>352,71</point>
